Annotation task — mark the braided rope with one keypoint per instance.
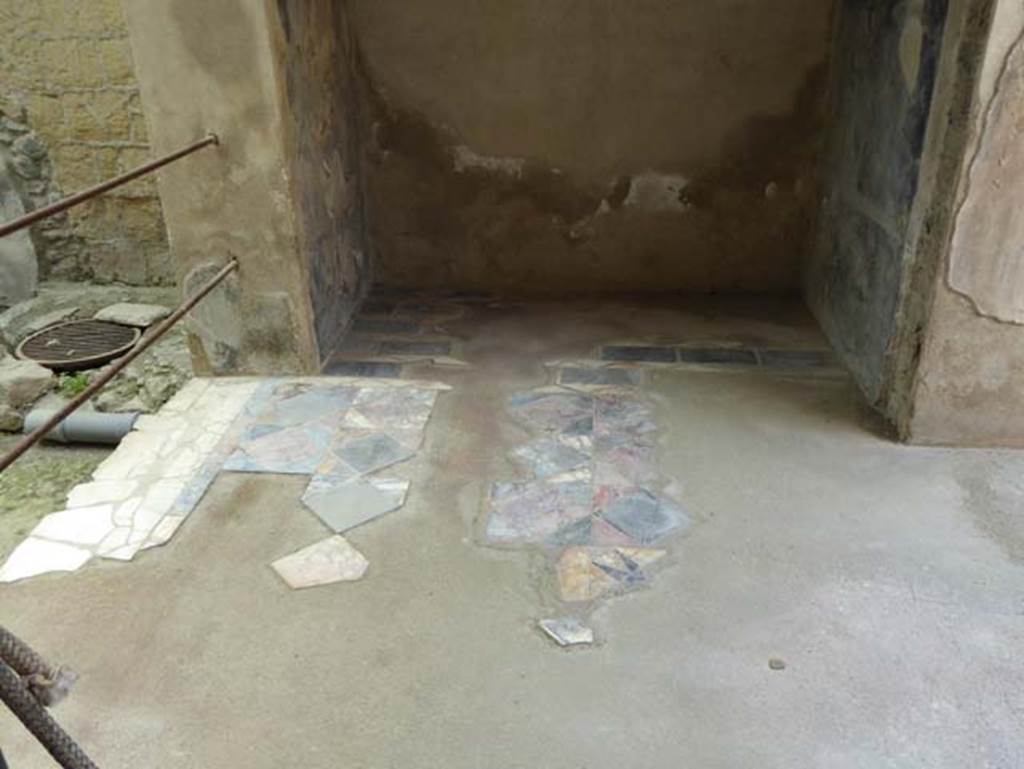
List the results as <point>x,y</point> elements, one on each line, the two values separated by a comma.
<point>32,713</point>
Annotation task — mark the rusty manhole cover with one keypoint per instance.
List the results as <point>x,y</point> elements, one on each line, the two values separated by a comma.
<point>79,344</point>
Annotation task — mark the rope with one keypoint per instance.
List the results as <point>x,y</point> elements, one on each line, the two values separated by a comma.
<point>28,685</point>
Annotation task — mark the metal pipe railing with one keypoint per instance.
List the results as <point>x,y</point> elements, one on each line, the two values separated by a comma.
<point>80,197</point>
<point>144,344</point>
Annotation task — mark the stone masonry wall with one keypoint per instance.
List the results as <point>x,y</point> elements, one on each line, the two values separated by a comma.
<point>68,77</point>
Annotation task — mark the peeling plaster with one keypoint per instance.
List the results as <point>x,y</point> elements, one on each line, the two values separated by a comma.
<point>466,159</point>
<point>987,249</point>
<point>654,192</point>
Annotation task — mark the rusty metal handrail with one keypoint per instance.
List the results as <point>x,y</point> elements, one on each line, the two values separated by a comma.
<point>80,197</point>
<point>158,331</point>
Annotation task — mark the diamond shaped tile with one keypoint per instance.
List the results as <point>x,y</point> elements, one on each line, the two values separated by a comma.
<point>720,356</point>
<point>600,377</point>
<point>547,457</point>
<point>348,504</point>
<point>638,354</point>
<point>391,407</point>
<point>644,516</point>
<point>295,450</point>
<point>534,510</point>
<point>368,453</point>
<point>554,411</point>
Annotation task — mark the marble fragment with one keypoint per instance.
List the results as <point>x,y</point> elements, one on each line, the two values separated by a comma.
<point>293,450</point>
<point>163,531</point>
<point>567,631</point>
<point>579,579</point>
<point>384,408</point>
<point>587,573</point>
<point>547,457</point>
<point>81,526</point>
<point>556,411</point>
<point>323,563</point>
<point>532,511</point>
<point>369,453</point>
<point>349,504</point>
<point>99,492</point>
<point>643,516</point>
<point>39,556</point>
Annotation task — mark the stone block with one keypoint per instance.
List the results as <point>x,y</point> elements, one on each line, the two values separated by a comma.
<point>22,382</point>
<point>116,56</point>
<point>97,17</point>
<point>131,314</point>
<point>97,116</point>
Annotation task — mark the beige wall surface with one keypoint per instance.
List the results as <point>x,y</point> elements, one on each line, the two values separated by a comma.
<point>68,76</point>
<point>214,66</point>
<point>969,388</point>
<point>553,145</point>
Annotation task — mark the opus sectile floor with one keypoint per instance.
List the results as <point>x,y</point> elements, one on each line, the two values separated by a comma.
<point>592,499</point>
<point>343,433</point>
<point>589,495</point>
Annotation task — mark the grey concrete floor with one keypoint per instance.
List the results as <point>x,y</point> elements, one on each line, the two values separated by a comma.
<point>890,580</point>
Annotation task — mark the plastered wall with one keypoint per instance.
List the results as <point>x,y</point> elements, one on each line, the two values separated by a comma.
<point>564,147</point>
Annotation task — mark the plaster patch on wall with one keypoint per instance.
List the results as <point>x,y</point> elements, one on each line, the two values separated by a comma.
<point>987,249</point>
<point>466,159</point>
<point>911,42</point>
<point>654,192</point>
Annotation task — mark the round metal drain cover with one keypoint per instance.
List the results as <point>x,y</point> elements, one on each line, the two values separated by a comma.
<point>78,344</point>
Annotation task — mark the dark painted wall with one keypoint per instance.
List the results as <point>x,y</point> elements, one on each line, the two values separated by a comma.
<point>324,153</point>
<point>884,74</point>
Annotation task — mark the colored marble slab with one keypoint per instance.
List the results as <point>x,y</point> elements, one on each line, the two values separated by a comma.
<point>623,465</point>
<point>293,450</point>
<point>414,347</point>
<point>643,516</point>
<point>532,511</point>
<point>547,457</point>
<point>796,359</point>
<point>718,356</point>
<point>587,573</point>
<point>623,416</point>
<point>567,631</point>
<point>600,377</point>
<point>369,453</point>
<point>344,506</point>
<point>324,563</point>
<point>364,368</point>
<point>385,408</point>
<point>638,354</point>
<point>311,404</point>
<point>554,411</point>
<point>579,579</point>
